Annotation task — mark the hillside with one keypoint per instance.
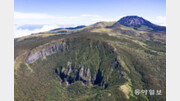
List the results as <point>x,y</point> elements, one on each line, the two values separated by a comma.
<point>105,61</point>
<point>138,23</point>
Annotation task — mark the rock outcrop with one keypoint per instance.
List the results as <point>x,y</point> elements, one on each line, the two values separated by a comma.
<point>70,75</point>
<point>79,67</point>
<point>51,49</point>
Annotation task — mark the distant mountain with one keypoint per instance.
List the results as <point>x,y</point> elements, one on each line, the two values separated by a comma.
<point>138,23</point>
<point>70,28</point>
<point>78,27</point>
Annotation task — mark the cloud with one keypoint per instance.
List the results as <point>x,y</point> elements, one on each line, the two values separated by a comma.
<point>50,22</point>
<point>54,21</point>
<point>159,20</point>
<point>84,19</point>
<point>42,18</point>
<point>19,31</point>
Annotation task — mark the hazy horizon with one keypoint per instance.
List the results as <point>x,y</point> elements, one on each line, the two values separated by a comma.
<point>43,16</point>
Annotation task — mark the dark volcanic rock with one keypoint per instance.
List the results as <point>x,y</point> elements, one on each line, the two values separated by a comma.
<point>137,22</point>
<point>70,75</point>
<point>134,21</point>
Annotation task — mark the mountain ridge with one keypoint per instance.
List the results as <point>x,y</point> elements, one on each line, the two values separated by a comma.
<point>137,22</point>
<point>93,63</point>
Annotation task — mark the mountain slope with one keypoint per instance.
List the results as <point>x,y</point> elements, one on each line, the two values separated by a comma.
<point>139,23</point>
<point>95,63</point>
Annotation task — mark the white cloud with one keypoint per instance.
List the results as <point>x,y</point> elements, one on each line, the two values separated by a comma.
<point>84,19</point>
<point>159,20</point>
<point>52,21</point>
<point>19,32</point>
<point>41,18</point>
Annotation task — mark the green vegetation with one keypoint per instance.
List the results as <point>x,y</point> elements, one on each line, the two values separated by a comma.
<point>91,66</point>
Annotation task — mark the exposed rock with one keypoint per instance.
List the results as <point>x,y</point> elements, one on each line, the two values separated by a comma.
<point>70,75</point>
<point>46,52</point>
<point>99,78</point>
<point>84,75</point>
<point>72,71</point>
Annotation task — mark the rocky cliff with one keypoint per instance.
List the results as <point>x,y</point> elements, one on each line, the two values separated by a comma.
<point>48,49</point>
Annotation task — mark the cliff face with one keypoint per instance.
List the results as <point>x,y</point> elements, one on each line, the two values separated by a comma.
<point>46,51</point>
<point>70,75</point>
<point>89,66</point>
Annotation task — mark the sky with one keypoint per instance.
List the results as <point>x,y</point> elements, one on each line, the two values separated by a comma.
<point>31,16</point>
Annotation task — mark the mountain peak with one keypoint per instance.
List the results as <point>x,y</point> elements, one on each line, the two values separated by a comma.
<point>137,22</point>
<point>133,21</point>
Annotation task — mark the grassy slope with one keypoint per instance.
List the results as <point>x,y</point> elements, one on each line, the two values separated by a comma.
<point>143,63</point>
